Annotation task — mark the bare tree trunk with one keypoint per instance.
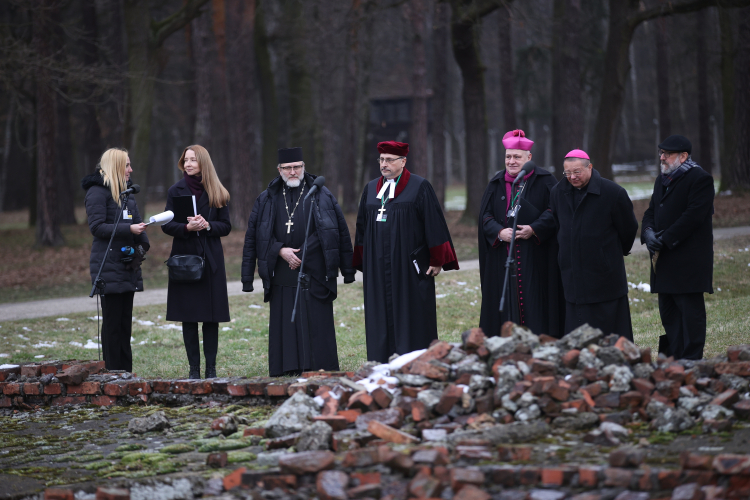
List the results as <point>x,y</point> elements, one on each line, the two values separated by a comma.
<point>92,134</point>
<point>418,133</point>
<point>741,177</point>
<point>200,38</point>
<point>729,138</point>
<point>507,73</point>
<point>704,119</point>
<point>7,136</point>
<point>48,214</point>
<point>111,115</point>
<point>466,52</point>
<point>662,78</point>
<point>347,176</point>
<point>567,98</point>
<point>270,107</point>
<point>221,153</point>
<point>441,21</point>
<point>64,166</point>
<point>245,174</point>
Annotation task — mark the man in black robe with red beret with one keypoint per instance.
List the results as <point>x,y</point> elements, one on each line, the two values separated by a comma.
<point>401,243</point>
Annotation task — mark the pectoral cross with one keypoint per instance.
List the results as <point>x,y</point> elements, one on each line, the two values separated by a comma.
<point>289,226</point>
<point>380,212</point>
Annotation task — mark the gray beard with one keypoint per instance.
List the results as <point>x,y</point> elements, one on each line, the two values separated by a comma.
<point>293,183</point>
<point>666,169</point>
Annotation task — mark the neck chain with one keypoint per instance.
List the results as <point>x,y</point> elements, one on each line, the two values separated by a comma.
<point>289,224</point>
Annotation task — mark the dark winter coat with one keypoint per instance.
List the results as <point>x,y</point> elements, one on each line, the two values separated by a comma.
<point>260,244</point>
<point>102,210</point>
<point>206,300</point>
<point>593,239</point>
<point>683,212</point>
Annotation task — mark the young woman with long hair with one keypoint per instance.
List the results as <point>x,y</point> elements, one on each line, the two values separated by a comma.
<point>204,301</point>
<point>121,274</point>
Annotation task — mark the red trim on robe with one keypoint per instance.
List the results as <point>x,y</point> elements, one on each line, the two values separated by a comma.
<point>444,256</point>
<point>400,186</point>
<point>357,257</point>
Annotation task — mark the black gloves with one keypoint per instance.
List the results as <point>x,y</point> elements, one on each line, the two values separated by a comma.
<point>653,242</point>
<point>247,286</point>
<point>348,278</point>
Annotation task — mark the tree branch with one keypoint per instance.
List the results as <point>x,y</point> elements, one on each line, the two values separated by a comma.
<point>160,30</point>
<point>680,7</point>
<point>476,9</point>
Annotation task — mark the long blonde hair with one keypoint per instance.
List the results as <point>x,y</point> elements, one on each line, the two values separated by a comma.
<point>218,196</point>
<point>112,168</point>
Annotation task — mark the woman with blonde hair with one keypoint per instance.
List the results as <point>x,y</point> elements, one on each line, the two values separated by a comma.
<point>204,301</point>
<point>121,275</point>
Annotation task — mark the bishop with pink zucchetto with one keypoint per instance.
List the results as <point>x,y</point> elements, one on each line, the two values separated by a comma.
<point>533,297</point>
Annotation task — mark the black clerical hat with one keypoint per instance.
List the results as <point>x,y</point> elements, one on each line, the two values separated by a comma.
<point>290,155</point>
<point>678,143</point>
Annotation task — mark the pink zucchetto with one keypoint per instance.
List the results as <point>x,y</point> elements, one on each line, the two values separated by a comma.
<point>578,153</point>
<point>516,139</point>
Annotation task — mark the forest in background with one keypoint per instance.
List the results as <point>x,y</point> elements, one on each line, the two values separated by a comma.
<point>246,77</point>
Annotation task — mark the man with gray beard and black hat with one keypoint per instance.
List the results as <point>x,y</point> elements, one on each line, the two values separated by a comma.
<point>677,229</point>
<point>275,238</point>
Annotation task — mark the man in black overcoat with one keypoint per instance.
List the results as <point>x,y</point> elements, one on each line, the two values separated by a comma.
<point>275,238</point>
<point>534,292</point>
<point>677,229</point>
<point>595,227</point>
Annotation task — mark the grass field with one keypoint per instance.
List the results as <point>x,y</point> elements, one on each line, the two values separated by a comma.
<point>158,349</point>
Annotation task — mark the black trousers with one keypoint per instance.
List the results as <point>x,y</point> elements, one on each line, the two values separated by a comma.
<point>684,318</point>
<point>192,342</point>
<point>117,325</point>
<point>612,316</point>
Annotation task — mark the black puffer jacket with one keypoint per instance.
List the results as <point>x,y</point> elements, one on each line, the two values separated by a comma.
<point>261,245</point>
<point>102,210</point>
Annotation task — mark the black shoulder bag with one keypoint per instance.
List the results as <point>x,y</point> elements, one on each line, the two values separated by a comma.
<point>187,268</point>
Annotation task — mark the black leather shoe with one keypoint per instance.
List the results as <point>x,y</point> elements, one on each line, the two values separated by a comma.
<point>195,372</point>
<point>210,371</point>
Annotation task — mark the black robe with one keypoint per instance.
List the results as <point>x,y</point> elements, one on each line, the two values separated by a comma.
<point>534,275</point>
<point>400,309</point>
<point>310,342</point>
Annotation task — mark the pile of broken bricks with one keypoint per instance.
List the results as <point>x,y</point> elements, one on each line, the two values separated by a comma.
<point>457,420</point>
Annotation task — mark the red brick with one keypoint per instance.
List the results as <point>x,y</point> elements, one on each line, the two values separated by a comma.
<point>425,485</point>
<point>741,368</point>
<point>58,494</point>
<point>514,453</point>
<point>12,389</point>
<point>181,387</point>
<point>505,475</point>
<point>382,397</point>
<point>742,408</point>
<point>201,387</point>
<point>646,355</point>
<point>419,411</point>
<point>471,492</point>
<point>350,415</point>
<point>68,400</point>
<point>544,368</point>
<point>337,422</point>
<point>302,387</point>
<point>254,431</point>
<point>553,476</point>
<point>283,481</point>
<point>668,479</point>
<point>366,477</point>
<point>570,358</point>
<point>726,398</point>
<point>112,494</point>
<point>629,350</point>
<point>30,370</point>
<point>588,476</point>
<point>362,401</point>
<point>617,477</point>
<point>648,481</point>
<point>95,367</point>
<point>47,369</point>
<point>256,388</point>
<point>390,434</point>
<point>217,460</point>
<point>237,389</point>
<point>31,389</point>
<point>234,478</point>
<point>103,400</point>
<point>451,395</point>
<point>85,388</point>
<point>5,402</point>
<point>277,389</point>
<point>425,369</point>
<point>115,389</point>
<point>161,386</point>
<point>658,375</point>
<point>136,388</point>
<point>690,460</point>
<point>529,475</point>
<point>631,399</point>
<point>460,477</point>
<point>700,477</point>
<point>587,398</point>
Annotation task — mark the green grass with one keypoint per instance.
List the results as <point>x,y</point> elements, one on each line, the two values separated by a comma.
<point>243,349</point>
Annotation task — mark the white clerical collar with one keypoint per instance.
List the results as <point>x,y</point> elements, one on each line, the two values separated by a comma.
<point>388,183</point>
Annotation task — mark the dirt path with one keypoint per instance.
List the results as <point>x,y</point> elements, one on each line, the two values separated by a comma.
<point>61,307</point>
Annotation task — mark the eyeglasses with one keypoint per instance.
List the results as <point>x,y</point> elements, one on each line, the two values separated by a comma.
<point>666,154</point>
<point>574,173</point>
<point>389,161</point>
<point>286,170</point>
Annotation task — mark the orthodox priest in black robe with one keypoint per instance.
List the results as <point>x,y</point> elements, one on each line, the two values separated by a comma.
<point>534,293</point>
<point>402,243</point>
<point>275,237</point>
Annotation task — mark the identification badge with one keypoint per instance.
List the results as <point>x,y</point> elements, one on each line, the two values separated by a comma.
<point>381,217</point>
<point>513,212</point>
<point>125,214</point>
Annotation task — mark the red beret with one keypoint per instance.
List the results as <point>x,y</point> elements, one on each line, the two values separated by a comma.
<point>393,148</point>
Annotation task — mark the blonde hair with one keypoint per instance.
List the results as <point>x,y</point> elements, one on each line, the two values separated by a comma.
<point>112,168</point>
<point>218,196</point>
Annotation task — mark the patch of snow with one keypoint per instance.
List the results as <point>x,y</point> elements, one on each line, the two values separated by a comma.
<point>145,322</point>
<point>94,318</point>
<point>255,306</point>
<point>38,356</point>
<point>91,345</point>
<point>225,329</point>
<point>4,367</point>
<point>22,337</point>
<point>158,317</point>
<point>170,326</point>
<point>244,340</point>
<point>248,330</point>
<point>3,355</point>
<point>62,319</point>
<point>342,325</point>
<point>142,342</point>
<point>718,289</point>
<point>460,283</point>
<point>75,344</point>
<point>358,308</point>
<point>26,328</point>
<point>441,295</point>
<point>45,344</point>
